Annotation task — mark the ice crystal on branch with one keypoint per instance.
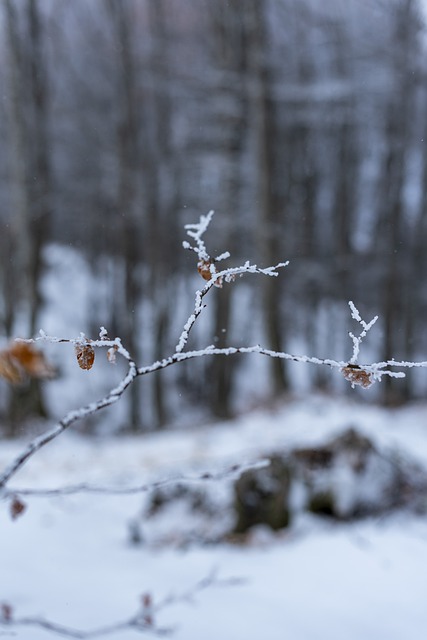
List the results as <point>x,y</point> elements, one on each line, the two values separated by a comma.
<point>357,375</point>
<point>357,340</point>
<point>196,232</point>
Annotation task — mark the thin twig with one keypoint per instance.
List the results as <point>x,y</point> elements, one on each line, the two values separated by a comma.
<point>232,472</point>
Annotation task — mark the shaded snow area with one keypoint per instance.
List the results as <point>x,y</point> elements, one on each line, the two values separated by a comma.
<point>84,560</point>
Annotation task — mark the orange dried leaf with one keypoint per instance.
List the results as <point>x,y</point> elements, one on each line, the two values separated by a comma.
<point>22,359</point>
<point>85,355</point>
<point>147,609</point>
<point>32,361</point>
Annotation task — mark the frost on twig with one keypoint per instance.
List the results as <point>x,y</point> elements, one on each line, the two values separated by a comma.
<point>77,414</point>
<point>206,265</point>
<point>355,374</point>
<point>366,326</point>
<point>227,275</point>
<point>365,375</point>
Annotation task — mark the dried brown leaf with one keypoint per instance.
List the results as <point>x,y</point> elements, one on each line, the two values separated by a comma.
<point>9,368</point>
<point>357,376</point>
<point>85,355</point>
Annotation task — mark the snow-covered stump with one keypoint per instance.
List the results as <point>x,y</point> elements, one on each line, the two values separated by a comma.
<point>263,497</point>
<point>346,478</point>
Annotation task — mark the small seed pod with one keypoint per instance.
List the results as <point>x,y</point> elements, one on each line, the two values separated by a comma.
<point>85,355</point>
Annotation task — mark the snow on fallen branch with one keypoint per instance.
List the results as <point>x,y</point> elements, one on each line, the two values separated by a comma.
<point>363,375</point>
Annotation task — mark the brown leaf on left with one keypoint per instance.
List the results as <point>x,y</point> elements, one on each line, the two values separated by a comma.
<point>21,359</point>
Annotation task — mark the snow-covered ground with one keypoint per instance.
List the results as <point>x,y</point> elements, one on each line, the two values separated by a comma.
<point>69,558</point>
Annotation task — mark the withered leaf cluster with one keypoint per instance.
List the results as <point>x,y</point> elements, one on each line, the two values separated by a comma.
<point>357,376</point>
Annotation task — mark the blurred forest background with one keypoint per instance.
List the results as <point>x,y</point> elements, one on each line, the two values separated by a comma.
<point>303,123</point>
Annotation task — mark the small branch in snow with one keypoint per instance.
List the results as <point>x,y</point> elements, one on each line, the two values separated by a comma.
<point>143,621</point>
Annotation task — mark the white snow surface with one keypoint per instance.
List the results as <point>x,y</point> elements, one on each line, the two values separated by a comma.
<point>69,559</point>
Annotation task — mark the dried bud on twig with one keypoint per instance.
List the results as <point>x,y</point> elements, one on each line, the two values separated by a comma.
<point>85,355</point>
<point>111,354</point>
<point>17,508</point>
<point>207,269</point>
<point>147,609</point>
<point>204,268</point>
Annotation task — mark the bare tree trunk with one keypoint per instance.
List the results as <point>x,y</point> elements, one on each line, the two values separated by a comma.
<point>20,226</point>
<point>230,52</point>
<point>269,226</point>
<point>159,184</point>
<point>127,150</point>
<point>41,170</point>
<point>391,218</point>
<point>30,222</point>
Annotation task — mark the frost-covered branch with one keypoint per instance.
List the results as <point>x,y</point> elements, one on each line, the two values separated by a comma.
<point>81,343</point>
<point>366,326</point>
<point>227,275</point>
<point>357,374</point>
